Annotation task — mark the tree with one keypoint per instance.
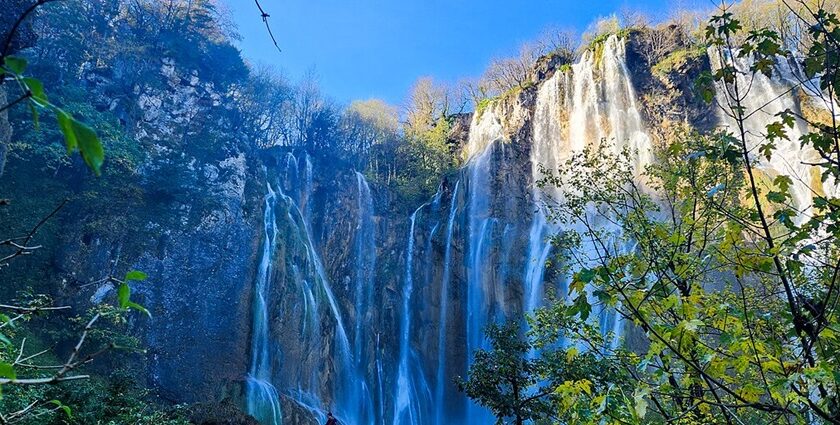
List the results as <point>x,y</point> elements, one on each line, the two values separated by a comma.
<point>727,275</point>
<point>504,379</point>
<point>365,124</point>
<point>507,74</point>
<point>523,376</point>
<point>428,102</point>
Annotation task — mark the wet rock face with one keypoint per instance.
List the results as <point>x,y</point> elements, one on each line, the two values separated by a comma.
<point>200,257</point>
<point>186,211</point>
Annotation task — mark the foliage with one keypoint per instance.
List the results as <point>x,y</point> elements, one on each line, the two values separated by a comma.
<point>728,287</point>
<point>677,58</point>
<point>77,135</point>
<point>524,377</point>
<point>114,399</point>
<point>423,157</point>
<point>31,375</point>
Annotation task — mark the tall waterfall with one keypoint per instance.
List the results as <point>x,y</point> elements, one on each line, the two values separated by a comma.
<point>364,267</point>
<point>480,302</point>
<point>263,401</point>
<point>595,103</point>
<point>441,381</point>
<point>410,384</point>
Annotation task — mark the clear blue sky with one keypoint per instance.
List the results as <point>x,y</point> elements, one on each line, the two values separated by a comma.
<point>377,48</point>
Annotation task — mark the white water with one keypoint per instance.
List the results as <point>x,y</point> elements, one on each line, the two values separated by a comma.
<point>593,104</point>
<point>406,404</point>
<point>763,99</point>
<point>263,401</point>
<point>365,266</point>
<point>441,381</point>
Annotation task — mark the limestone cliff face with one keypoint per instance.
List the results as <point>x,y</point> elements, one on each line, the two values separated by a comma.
<point>183,207</point>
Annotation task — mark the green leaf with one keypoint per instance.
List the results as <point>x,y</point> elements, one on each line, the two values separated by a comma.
<point>776,197</point>
<point>135,275</point>
<point>582,306</point>
<point>783,182</point>
<point>641,404</point>
<point>705,87</point>
<point>7,371</point>
<point>89,146</point>
<point>776,130</point>
<point>63,407</point>
<point>813,65</point>
<point>5,340</point>
<point>124,295</point>
<point>692,325</point>
<point>36,88</point>
<point>77,135</point>
<point>15,64</point>
<point>140,308</point>
<point>65,123</point>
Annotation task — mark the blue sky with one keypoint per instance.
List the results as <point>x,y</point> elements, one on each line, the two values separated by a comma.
<point>361,49</point>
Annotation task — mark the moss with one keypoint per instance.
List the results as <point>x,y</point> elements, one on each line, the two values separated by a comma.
<point>566,67</point>
<point>596,45</point>
<point>482,105</point>
<point>678,58</point>
<point>512,92</point>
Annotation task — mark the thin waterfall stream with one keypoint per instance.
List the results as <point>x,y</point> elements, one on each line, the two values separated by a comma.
<point>263,401</point>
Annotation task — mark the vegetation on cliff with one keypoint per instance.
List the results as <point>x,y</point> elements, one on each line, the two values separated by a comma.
<point>728,284</point>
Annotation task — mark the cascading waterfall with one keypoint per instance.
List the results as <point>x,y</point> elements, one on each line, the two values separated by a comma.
<point>441,382</point>
<point>547,152</point>
<point>599,100</point>
<point>486,132</point>
<point>365,265</point>
<point>351,399</point>
<point>483,278</point>
<point>408,391</point>
<point>263,401</point>
<point>767,98</point>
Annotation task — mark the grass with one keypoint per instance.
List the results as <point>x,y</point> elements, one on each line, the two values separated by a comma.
<point>678,58</point>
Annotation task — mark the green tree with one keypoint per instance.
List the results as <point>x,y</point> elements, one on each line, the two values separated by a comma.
<point>525,377</point>
<point>727,283</point>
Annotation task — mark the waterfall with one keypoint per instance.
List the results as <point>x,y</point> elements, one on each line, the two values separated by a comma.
<point>441,381</point>
<point>365,266</point>
<point>767,97</point>
<point>548,152</point>
<point>598,100</point>
<point>486,132</point>
<point>350,393</point>
<point>380,384</point>
<point>494,253</point>
<point>263,401</point>
<point>407,406</point>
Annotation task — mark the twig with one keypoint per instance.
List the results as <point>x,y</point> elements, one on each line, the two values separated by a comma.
<point>265,17</point>
<point>11,35</point>
<point>32,309</point>
<point>23,248</point>
<point>23,97</point>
